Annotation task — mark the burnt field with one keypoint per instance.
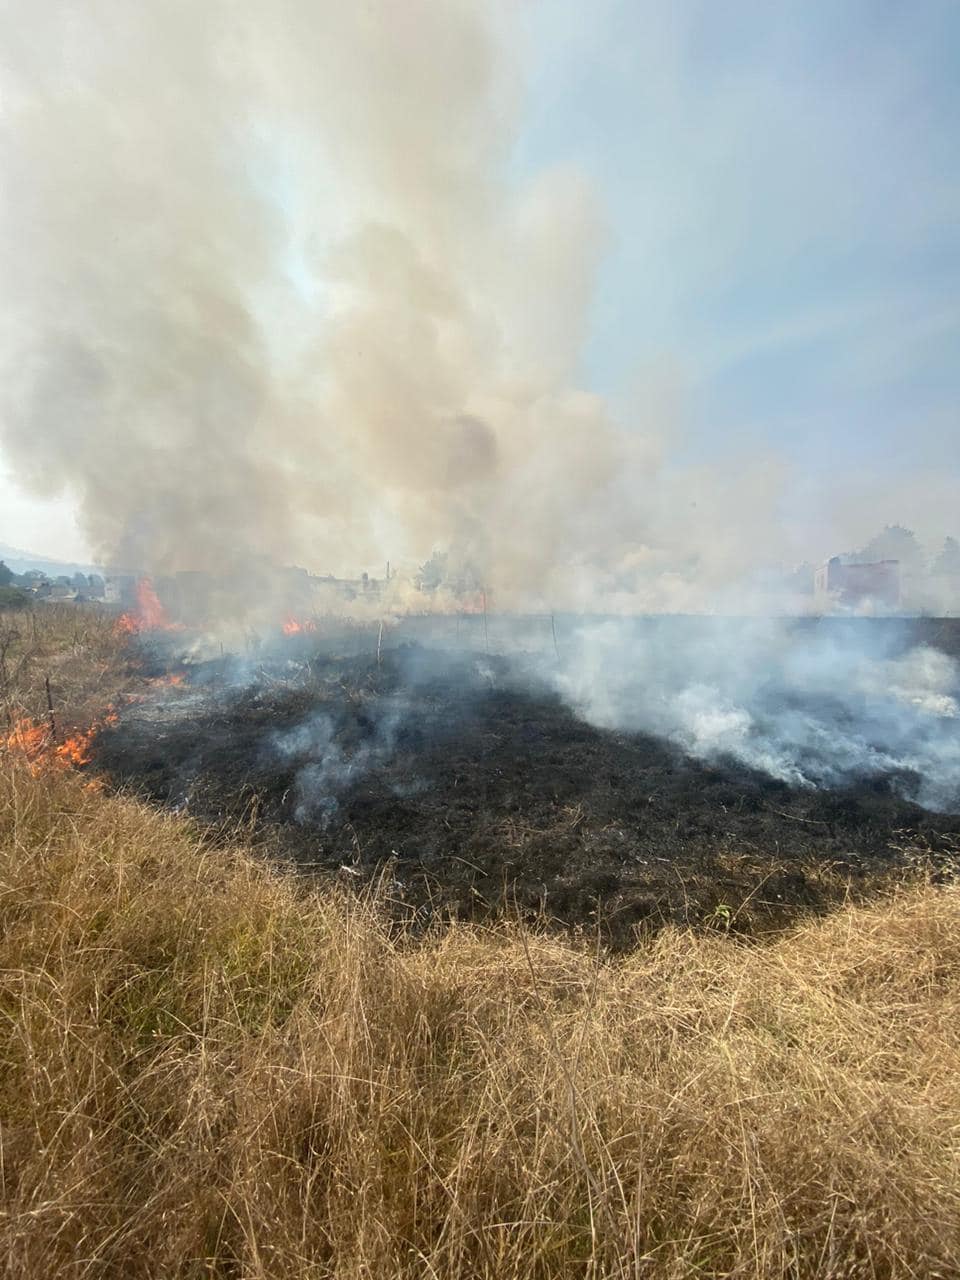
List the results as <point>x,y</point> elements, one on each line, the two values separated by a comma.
<point>467,785</point>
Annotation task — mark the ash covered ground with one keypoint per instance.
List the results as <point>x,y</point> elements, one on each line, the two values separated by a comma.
<point>468,784</point>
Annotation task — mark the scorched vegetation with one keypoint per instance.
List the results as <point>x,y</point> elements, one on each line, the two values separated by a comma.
<point>210,1069</point>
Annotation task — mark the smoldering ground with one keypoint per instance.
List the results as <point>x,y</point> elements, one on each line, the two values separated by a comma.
<point>487,780</point>
<point>822,704</point>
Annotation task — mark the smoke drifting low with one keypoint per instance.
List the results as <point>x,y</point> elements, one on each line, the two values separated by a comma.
<point>324,768</point>
<point>811,707</point>
<point>814,704</point>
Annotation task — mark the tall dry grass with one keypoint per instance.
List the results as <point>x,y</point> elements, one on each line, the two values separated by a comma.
<point>75,648</point>
<point>208,1072</point>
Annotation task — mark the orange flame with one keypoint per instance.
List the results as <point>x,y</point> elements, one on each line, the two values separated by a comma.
<point>149,614</point>
<point>294,626</point>
<point>126,625</point>
<point>161,682</point>
<point>36,744</point>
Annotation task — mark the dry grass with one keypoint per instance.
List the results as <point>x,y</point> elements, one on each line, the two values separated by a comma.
<point>76,648</point>
<point>209,1072</point>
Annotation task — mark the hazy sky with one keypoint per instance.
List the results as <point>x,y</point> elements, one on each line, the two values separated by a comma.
<point>780,185</point>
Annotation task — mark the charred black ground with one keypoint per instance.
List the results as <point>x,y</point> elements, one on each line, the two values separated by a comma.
<point>468,786</point>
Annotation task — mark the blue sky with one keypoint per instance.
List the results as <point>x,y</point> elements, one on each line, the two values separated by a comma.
<point>782,190</point>
<point>780,185</point>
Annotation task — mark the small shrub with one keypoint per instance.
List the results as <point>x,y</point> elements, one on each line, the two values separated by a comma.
<point>14,598</point>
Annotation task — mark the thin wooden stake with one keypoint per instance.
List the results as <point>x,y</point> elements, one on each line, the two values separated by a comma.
<point>486,638</point>
<point>51,716</point>
<point>553,628</point>
<point>379,641</point>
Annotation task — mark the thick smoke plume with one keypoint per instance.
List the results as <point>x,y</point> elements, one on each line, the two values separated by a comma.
<point>242,255</point>
<point>272,295</point>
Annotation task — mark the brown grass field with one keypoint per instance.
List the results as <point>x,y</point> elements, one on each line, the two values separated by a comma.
<point>211,1070</point>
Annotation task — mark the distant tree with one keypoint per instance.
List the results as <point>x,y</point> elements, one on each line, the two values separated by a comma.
<point>894,542</point>
<point>13,598</point>
<point>948,561</point>
<point>6,575</point>
<point>458,576</point>
<point>467,578</point>
<point>79,580</point>
<point>433,572</point>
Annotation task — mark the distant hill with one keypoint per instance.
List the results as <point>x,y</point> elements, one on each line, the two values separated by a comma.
<point>19,560</point>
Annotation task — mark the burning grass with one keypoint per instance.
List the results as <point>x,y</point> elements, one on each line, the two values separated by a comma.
<point>148,615</point>
<point>38,744</point>
<point>298,626</point>
<point>61,669</point>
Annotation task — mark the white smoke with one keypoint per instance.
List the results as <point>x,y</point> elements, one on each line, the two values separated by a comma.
<point>809,706</point>
<point>324,765</point>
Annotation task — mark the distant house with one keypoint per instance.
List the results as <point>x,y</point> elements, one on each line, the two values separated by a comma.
<point>58,592</point>
<point>858,586</point>
<point>120,588</point>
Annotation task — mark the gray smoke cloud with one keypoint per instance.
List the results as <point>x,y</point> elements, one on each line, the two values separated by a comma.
<point>272,295</point>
